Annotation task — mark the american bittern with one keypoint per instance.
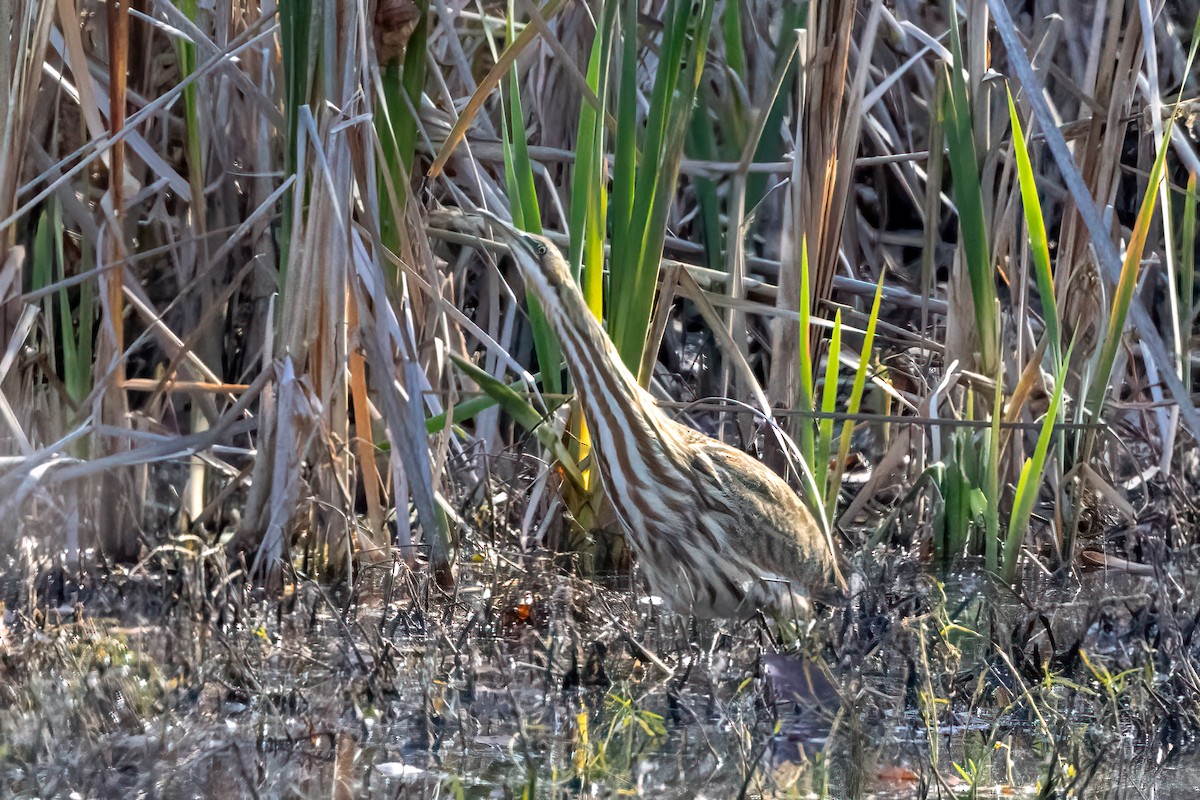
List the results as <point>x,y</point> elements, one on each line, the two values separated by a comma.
<point>717,533</point>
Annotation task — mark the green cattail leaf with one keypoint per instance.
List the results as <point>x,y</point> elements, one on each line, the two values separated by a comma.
<point>524,414</point>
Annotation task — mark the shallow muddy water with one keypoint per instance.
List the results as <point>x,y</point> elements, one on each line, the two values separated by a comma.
<point>390,690</point>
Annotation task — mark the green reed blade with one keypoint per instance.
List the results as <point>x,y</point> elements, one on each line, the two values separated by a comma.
<point>1039,244</point>
<point>956,117</point>
<point>524,414</point>
<point>820,466</point>
<point>1030,481</point>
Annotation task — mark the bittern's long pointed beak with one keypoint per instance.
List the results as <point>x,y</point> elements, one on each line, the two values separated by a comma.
<point>515,239</point>
<point>490,229</point>
<point>504,230</point>
<point>489,217</point>
<point>474,222</point>
<point>478,223</point>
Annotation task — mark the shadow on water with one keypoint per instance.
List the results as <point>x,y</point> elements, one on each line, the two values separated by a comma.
<point>537,684</point>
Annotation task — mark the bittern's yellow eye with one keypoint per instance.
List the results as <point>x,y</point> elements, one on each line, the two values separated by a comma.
<point>536,246</point>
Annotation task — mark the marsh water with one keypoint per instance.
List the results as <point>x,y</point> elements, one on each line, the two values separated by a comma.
<point>544,685</point>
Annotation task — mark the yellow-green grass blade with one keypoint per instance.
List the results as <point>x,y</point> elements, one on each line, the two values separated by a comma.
<point>1035,225</point>
<point>855,402</point>
<point>589,207</point>
<point>598,200</point>
<point>807,379</point>
<point>1173,267</point>
<point>829,391</point>
<point>1123,296</point>
<point>589,193</point>
<point>593,251</point>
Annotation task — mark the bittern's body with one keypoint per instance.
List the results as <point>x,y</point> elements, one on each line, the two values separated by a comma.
<point>717,533</point>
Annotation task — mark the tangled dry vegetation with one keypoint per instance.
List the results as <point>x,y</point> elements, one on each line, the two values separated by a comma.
<point>296,496</point>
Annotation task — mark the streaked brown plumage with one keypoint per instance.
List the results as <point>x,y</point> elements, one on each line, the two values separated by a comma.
<point>717,533</point>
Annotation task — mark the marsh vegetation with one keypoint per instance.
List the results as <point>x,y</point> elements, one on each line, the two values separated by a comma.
<point>297,499</point>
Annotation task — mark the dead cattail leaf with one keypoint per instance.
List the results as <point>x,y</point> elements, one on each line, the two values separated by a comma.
<point>1099,560</point>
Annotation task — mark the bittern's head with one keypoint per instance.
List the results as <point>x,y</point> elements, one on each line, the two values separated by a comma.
<point>541,264</point>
